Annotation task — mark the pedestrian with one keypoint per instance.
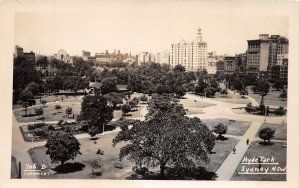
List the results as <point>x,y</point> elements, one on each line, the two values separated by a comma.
<point>234,150</point>
<point>247,141</point>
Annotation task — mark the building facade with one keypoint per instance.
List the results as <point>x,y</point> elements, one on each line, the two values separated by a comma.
<point>162,57</point>
<point>145,57</point>
<point>262,53</point>
<point>192,55</point>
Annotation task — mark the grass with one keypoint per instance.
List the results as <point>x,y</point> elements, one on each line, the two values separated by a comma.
<point>276,150</point>
<point>88,150</point>
<point>111,156</point>
<point>192,111</point>
<point>189,103</point>
<point>236,128</point>
<point>271,99</point>
<point>232,98</point>
<point>222,149</point>
<point>14,168</point>
<point>50,113</point>
<point>280,130</point>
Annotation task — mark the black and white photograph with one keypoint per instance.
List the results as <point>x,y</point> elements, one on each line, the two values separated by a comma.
<point>153,90</point>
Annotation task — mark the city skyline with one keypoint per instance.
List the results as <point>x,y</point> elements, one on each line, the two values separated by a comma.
<point>135,32</point>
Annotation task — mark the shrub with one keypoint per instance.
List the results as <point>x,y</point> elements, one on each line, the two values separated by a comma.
<point>57,107</point>
<point>96,167</point>
<point>280,111</point>
<point>266,134</point>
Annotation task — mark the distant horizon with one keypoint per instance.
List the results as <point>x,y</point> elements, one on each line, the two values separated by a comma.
<point>144,26</point>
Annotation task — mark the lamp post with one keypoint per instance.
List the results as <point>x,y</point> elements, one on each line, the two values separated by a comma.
<point>265,114</point>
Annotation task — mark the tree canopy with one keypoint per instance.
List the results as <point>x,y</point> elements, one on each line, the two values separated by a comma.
<point>166,138</point>
<point>62,146</point>
<point>96,113</point>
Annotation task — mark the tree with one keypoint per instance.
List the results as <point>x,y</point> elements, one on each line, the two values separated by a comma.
<point>62,146</point>
<point>39,111</point>
<point>210,91</point>
<point>44,102</point>
<point>126,108</point>
<point>220,129</point>
<point>114,98</point>
<point>262,86</point>
<point>144,98</point>
<point>283,95</point>
<point>179,68</point>
<point>96,113</point>
<point>108,85</point>
<point>200,87</point>
<point>68,111</point>
<point>266,134</point>
<point>179,91</point>
<point>75,83</point>
<point>26,94</point>
<point>166,139</point>
<point>278,84</point>
<point>34,88</point>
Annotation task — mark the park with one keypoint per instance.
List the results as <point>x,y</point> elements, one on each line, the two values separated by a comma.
<point>166,124</point>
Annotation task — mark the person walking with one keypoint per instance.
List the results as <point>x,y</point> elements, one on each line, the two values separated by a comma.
<point>234,150</point>
<point>247,142</point>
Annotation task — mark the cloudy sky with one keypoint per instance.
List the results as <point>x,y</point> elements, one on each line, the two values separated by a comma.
<point>142,26</point>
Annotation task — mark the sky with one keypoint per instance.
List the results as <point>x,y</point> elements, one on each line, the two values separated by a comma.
<point>136,28</point>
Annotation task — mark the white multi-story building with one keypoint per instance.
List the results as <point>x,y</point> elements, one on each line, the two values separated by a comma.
<point>162,57</point>
<point>212,66</point>
<point>192,55</point>
<point>145,57</point>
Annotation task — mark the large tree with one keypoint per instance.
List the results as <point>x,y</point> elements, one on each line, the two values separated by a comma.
<point>108,85</point>
<point>166,139</point>
<point>62,147</point>
<point>262,86</point>
<point>76,83</point>
<point>96,113</point>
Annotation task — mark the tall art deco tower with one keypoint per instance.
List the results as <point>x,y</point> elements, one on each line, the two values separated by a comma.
<point>190,54</point>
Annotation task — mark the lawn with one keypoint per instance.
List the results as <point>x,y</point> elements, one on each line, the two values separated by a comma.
<point>88,149</point>
<point>277,150</point>
<point>50,113</point>
<point>189,103</point>
<point>234,127</point>
<point>192,111</point>
<point>220,152</point>
<point>231,98</point>
<point>280,130</point>
<point>271,99</point>
<point>110,157</point>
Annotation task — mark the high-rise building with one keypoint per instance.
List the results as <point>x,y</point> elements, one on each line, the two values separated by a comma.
<point>162,57</point>
<point>145,57</point>
<point>262,53</point>
<point>192,55</point>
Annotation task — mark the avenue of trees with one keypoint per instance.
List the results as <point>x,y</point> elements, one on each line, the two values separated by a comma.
<point>166,139</point>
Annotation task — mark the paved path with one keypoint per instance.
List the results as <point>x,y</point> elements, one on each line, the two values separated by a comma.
<point>226,170</point>
<point>224,110</point>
